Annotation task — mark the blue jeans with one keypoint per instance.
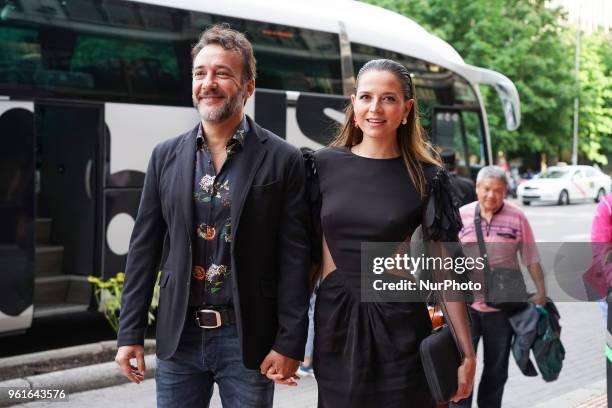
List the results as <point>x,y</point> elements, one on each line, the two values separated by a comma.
<point>202,358</point>
<point>496,333</point>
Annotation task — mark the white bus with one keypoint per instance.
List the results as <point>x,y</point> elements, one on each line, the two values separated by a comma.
<point>88,87</point>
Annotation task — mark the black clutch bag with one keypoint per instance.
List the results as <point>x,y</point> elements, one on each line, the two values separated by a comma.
<point>441,360</point>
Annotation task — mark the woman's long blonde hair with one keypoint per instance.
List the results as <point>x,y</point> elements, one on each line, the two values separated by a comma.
<point>411,138</point>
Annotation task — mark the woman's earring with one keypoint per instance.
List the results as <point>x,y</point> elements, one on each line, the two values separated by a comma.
<point>355,120</point>
<point>404,121</point>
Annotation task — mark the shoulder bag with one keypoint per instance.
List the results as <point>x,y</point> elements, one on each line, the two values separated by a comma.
<point>504,287</point>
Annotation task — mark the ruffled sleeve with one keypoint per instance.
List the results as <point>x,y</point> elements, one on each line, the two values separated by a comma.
<point>441,219</point>
<point>313,195</point>
<point>442,223</point>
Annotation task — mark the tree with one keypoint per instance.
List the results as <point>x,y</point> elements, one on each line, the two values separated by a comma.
<point>524,40</point>
<point>595,119</point>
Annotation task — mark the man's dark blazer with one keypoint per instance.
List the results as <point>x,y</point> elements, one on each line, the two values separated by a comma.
<point>270,247</point>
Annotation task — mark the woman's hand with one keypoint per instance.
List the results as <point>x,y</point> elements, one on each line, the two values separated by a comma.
<point>465,379</point>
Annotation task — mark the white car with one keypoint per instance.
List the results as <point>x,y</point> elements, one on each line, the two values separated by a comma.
<point>564,184</point>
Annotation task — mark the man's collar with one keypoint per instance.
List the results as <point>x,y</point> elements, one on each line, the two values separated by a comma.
<point>501,207</point>
<point>238,136</point>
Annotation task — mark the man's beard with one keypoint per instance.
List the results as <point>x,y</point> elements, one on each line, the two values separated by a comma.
<point>215,115</point>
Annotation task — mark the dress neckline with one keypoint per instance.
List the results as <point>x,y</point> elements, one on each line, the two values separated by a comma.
<point>348,150</point>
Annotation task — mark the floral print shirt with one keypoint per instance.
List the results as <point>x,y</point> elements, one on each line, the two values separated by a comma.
<point>211,282</point>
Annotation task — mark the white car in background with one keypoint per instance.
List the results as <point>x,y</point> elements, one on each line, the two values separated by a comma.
<point>565,184</point>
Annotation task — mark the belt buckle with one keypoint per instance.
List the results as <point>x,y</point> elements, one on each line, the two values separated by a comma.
<point>215,312</point>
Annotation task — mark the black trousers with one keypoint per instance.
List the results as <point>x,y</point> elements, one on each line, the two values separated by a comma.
<point>496,333</point>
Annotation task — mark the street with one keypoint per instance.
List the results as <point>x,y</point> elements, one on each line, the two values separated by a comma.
<point>583,337</point>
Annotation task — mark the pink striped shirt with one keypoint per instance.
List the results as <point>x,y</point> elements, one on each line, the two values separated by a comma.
<point>507,235</point>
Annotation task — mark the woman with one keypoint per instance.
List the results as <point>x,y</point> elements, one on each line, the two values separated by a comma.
<point>600,274</point>
<point>372,185</point>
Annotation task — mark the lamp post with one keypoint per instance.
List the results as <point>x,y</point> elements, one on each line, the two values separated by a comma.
<point>577,98</point>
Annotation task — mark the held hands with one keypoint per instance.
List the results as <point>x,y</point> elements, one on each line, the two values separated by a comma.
<point>124,354</point>
<point>465,379</point>
<point>280,369</point>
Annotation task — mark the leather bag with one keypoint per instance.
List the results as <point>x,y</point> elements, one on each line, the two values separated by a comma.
<point>441,360</point>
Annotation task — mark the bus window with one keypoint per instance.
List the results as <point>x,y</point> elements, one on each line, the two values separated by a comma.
<point>116,51</point>
<point>475,145</point>
<point>460,131</point>
<point>292,58</point>
<point>143,69</point>
<point>21,57</point>
<point>363,53</point>
<point>448,130</point>
<point>297,59</point>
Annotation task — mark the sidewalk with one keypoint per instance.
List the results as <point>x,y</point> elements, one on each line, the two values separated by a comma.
<point>304,396</point>
<point>581,383</point>
<point>586,397</point>
<point>48,369</point>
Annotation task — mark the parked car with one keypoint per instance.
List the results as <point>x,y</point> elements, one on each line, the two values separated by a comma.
<point>564,184</point>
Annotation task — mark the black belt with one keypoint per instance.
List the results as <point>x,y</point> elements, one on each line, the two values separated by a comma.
<point>212,317</point>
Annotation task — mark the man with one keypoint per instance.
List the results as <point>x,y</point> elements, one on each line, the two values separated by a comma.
<point>506,226</point>
<point>463,186</point>
<point>225,204</point>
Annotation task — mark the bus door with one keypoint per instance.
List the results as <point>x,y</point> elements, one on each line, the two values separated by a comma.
<point>460,130</point>
<point>17,226</point>
<point>69,145</point>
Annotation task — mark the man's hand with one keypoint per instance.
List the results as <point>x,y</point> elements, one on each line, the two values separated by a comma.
<point>124,354</point>
<point>279,368</point>
<point>539,299</point>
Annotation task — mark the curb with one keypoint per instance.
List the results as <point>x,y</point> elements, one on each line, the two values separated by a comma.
<point>71,380</point>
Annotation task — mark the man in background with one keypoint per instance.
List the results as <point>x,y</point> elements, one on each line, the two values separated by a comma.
<point>465,190</point>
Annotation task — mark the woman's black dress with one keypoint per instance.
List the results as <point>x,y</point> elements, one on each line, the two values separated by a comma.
<point>367,354</point>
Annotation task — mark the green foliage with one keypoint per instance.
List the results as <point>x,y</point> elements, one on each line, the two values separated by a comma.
<point>595,119</point>
<point>527,42</point>
<point>108,296</point>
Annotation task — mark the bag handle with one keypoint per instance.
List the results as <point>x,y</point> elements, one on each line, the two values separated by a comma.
<point>481,242</point>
